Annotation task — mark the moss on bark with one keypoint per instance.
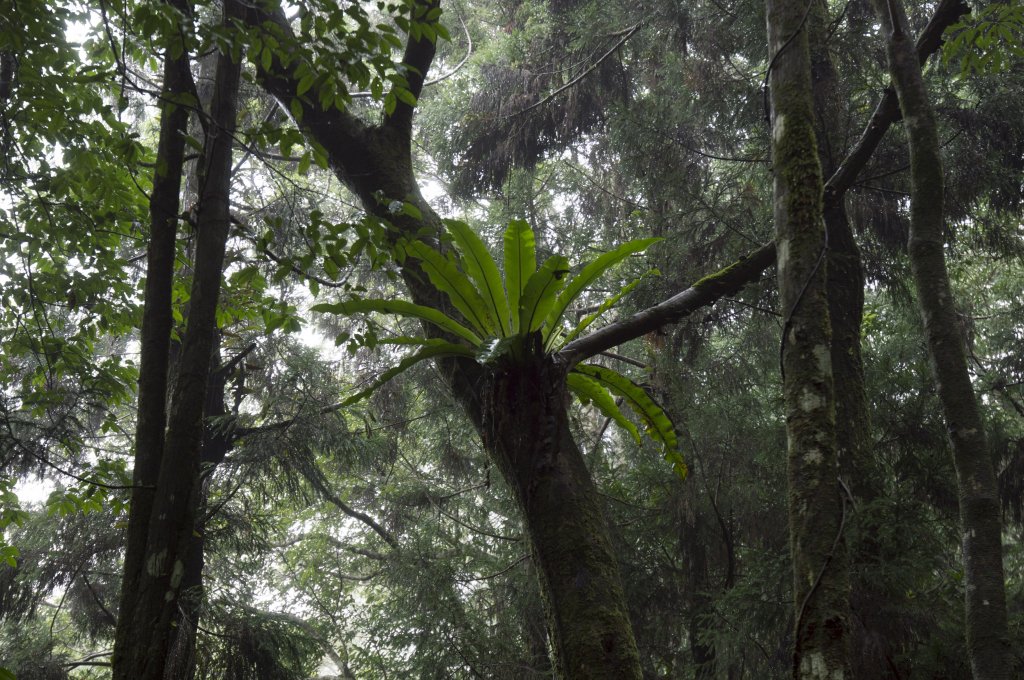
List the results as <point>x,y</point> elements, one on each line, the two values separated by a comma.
<point>985,601</point>
<point>816,508</point>
<point>526,430</point>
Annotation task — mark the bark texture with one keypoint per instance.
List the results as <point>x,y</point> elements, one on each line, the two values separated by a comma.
<point>816,508</point>
<point>526,429</point>
<point>149,609</point>
<point>987,635</point>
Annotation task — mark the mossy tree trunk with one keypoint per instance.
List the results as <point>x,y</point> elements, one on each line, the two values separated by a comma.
<point>816,507</point>
<point>986,620</point>
<point>526,430</point>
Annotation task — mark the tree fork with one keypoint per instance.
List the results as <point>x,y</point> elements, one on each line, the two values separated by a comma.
<point>145,622</point>
<point>157,323</point>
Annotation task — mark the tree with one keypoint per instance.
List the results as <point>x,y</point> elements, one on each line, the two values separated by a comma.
<point>587,617</point>
<point>817,508</point>
<point>579,117</point>
<point>987,635</point>
<point>169,437</point>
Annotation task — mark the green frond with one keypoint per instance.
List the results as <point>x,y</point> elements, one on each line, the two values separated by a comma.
<point>402,308</point>
<point>589,391</point>
<point>539,293</point>
<point>520,264</point>
<point>478,263</point>
<point>657,423</point>
<point>605,306</point>
<point>590,273</point>
<point>447,278</point>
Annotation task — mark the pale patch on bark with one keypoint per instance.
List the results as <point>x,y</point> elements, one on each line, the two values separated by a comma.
<point>155,563</point>
<point>810,400</point>
<point>824,358</point>
<point>814,666</point>
<point>779,127</point>
<point>179,571</point>
<point>813,457</point>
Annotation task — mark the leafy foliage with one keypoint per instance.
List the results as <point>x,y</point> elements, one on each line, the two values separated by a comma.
<point>508,321</point>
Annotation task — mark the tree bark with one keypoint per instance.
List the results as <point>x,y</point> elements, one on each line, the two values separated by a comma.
<point>526,430</point>
<point>145,622</point>
<point>986,620</point>
<point>816,508</point>
<point>157,323</point>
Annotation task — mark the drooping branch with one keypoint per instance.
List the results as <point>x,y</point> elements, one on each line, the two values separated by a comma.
<point>702,293</point>
<point>336,501</point>
<point>626,35</point>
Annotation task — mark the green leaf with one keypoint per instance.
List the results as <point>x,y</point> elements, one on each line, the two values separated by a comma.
<point>402,308</point>
<point>6,674</point>
<point>520,263</point>
<point>540,291</point>
<point>481,267</point>
<point>305,83</point>
<point>590,273</point>
<point>605,306</point>
<point>447,278</point>
<point>657,423</point>
<point>405,96</point>
<point>590,391</point>
<point>432,348</point>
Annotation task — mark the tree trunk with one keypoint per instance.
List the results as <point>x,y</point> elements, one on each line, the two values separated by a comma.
<point>146,619</point>
<point>816,508</point>
<point>157,323</point>
<point>526,430</point>
<point>181,662</point>
<point>987,636</point>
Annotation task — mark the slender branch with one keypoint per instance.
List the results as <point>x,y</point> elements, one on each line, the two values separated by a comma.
<point>333,542</point>
<point>624,359</point>
<point>488,577</point>
<point>333,498</point>
<point>626,35</point>
<point>441,78</point>
<point>419,54</point>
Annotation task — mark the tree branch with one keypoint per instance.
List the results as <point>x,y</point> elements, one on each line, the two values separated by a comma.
<point>333,498</point>
<point>419,54</point>
<point>705,292</point>
<point>626,35</point>
<point>888,111</point>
